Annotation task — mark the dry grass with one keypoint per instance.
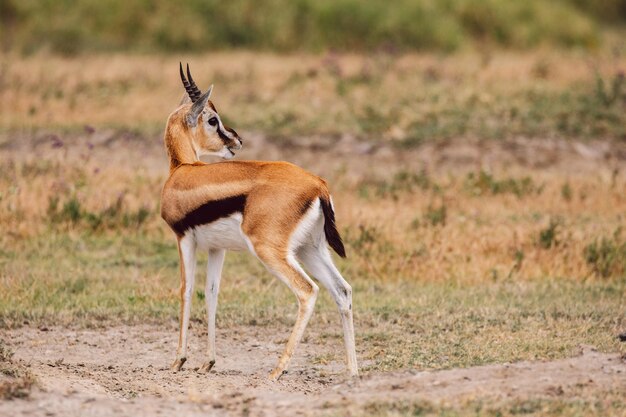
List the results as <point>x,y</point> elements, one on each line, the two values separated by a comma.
<point>401,99</point>
<point>406,224</point>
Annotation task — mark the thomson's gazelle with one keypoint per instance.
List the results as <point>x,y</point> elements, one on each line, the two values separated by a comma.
<point>276,210</point>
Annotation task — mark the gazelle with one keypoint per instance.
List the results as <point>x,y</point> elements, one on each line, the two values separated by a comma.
<point>276,210</point>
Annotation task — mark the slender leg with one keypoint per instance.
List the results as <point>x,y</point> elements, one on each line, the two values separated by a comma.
<point>213,277</point>
<point>319,263</point>
<point>187,252</point>
<point>288,271</point>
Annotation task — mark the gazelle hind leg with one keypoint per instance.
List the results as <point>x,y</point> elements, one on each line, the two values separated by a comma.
<point>187,252</point>
<point>318,261</point>
<point>212,288</point>
<point>288,271</point>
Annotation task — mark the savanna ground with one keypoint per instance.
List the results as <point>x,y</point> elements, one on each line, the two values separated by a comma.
<point>481,198</point>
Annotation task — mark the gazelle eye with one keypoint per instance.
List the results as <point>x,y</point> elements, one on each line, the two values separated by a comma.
<point>213,121</point>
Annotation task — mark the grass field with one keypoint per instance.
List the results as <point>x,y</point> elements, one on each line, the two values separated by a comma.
<point>86,241</point>
<point>457,257</point>
<point>404,100</point>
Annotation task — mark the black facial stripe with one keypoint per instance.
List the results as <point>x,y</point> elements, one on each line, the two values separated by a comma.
<point>210,212</point>
<point>222,135</point>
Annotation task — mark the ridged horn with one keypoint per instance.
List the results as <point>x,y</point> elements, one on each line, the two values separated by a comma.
<point>190,86</point>
<point>196,91</point>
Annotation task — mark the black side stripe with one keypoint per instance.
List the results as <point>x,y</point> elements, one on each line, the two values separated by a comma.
<point>210,212</point>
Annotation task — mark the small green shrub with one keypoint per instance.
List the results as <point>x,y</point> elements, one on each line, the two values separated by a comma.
<point>607,256</point>
<point>485,183</point>
<point>366,237</point>
<point>71,210</point>
<point>436,215</point>
<point>518,260</point>
<point>368,241</point>
<point>373,121</point>
<point>113,216</point>
<point>610,95</point>
<point>402,182</point>
<point>566,192</point>
<point>548,236</point>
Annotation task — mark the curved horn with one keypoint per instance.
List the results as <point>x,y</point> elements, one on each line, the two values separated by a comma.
<point>191,88</point>
<point>196,91</point>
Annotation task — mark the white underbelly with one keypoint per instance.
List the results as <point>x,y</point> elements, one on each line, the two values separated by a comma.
<point>224,233</point>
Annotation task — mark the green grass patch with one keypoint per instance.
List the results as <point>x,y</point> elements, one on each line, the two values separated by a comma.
<point>482,183</point>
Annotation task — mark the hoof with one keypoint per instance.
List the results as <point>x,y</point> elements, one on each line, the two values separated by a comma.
<point>178,363</point>
<point>276,374</point>
<point>207,366</point>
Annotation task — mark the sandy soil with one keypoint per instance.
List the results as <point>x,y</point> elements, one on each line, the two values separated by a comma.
<point>123,371</point>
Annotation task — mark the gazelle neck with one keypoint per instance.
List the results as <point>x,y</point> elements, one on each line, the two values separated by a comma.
<point>179,146</point>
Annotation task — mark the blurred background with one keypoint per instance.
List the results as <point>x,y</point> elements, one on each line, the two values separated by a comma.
<point>72,27</point>
<point>429,69</point>
<point>475,149</point>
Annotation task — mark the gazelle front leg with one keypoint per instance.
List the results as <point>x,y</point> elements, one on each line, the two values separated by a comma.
<point>187,253</point>
<point>213,278</point>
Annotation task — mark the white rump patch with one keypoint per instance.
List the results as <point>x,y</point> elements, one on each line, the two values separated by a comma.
<point>310,228</point>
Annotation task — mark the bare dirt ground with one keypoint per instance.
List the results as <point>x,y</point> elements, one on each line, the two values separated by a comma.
<point>123,371</point>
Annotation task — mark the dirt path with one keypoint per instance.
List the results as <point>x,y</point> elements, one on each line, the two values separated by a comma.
<point>123,371</point>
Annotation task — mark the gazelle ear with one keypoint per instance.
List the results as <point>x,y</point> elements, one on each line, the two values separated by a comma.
<point>198,106</point>
<point>209,90</point>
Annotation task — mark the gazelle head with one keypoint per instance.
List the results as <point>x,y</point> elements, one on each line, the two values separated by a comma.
<point>209,136</point>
